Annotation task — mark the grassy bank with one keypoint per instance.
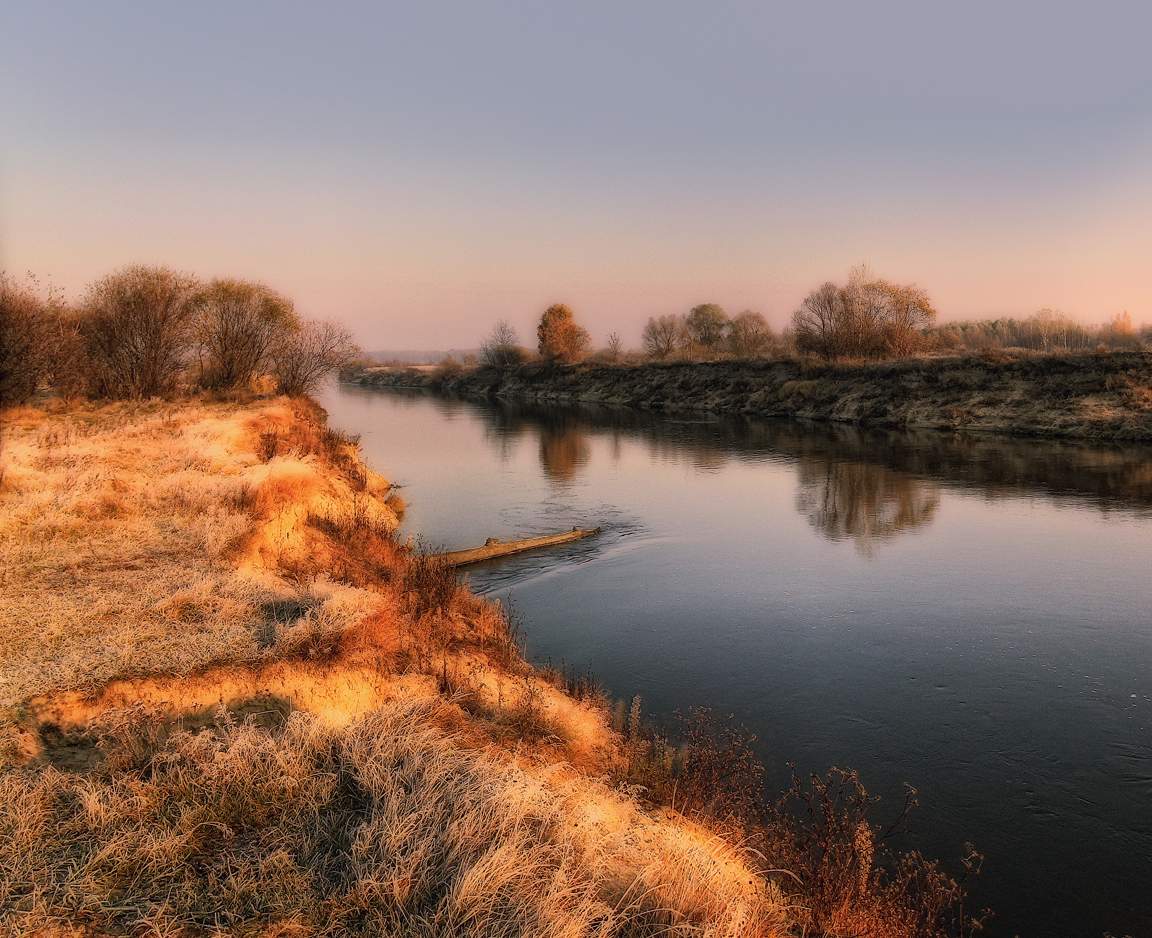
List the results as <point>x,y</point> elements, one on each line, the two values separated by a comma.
<point>234,702</point>
<point>1105,396</point>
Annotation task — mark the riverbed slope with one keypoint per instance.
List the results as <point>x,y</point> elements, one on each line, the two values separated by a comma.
<point>1100,396</point>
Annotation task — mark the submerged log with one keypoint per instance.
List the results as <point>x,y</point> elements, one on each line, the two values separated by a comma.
<point>494,547</point>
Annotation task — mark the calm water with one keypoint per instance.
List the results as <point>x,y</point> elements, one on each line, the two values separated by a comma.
<point>971,617</point>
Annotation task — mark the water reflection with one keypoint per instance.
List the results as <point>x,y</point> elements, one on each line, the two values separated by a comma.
<point>564,449</point>
<point>867,486</point>
<point>865,502</point>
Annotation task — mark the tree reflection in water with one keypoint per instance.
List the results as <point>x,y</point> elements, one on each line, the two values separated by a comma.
<point>869,486</point>
<point>863,501</point>
<point>563,450</point>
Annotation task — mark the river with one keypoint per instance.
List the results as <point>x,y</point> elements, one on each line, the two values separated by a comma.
<point>969,615</point>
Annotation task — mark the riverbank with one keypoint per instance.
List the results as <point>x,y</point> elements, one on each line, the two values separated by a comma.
<point>1105,396</point>
<point>234,701</point>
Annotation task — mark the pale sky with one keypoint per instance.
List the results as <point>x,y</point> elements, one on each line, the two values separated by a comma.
<point>419,170</point>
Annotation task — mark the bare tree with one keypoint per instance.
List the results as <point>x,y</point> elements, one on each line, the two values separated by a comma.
<point>135,330</point>
<point>614,350</point>
<point>816,324</point>
<point>749,335</point>
<point>238,324</point>
<point>662,335</point>
<point>302,359</point>
<point>502,348</point>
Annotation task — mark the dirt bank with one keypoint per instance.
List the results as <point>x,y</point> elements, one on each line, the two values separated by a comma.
<point>1104,396</point>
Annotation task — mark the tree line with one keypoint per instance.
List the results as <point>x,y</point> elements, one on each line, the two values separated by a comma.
<point>865,317</point>
<point>706,330</point>
<point>144,331</point>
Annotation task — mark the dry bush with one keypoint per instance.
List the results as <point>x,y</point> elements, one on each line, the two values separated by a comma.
<point>135,331</point>
<point>238,324</point>
<point>818,835</point>
<point>302,360</point>
<point>866,318</point>
<point>502,348</point>
<point>822,832</point>
<point>28,322</point>
<point>430,583</point>
<point>448,367</point>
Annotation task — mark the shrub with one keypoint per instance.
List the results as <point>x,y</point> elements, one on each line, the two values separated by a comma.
<point>838,859</point>
<point>560,338</point>
<point>430,583</point>
<point>26,331</point>
<point>135,331</point>
<point>867,318</point>
<point>238,325</point>
<point>822,832</point>
<point>448,367</point>
<point>302,359</point>
<point>502,348</point>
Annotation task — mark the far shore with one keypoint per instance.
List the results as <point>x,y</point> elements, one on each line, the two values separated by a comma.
<point>1093,396</point>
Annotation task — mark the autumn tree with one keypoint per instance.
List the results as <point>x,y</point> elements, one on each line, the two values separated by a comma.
<point>560,337</point>
<point>867,317</point>
<point>238,326</point>
<point>135,329</point>
<point>706,326</point>
<point>1119,331</point>
<point>749,335</point>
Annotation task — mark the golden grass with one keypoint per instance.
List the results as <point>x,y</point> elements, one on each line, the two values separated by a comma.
<point>402,771</point>
<point>386,827</point>
<point>149,537</point>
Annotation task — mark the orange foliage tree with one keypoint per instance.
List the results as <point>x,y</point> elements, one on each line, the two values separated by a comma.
<point>560,338</point>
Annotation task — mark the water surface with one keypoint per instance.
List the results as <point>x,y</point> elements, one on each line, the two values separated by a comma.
<point>972,616</point>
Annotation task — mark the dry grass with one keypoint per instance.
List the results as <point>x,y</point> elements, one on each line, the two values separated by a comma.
<point>388,827</point>
<point>141,538</point>
<point>171,568</point>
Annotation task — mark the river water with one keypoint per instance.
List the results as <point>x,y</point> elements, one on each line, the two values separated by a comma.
<point>971,616</point>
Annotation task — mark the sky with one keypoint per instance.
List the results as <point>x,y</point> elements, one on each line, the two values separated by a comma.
<point>419,170</point>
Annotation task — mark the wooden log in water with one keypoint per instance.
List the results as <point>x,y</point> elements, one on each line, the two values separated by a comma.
<point>493,547</point>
